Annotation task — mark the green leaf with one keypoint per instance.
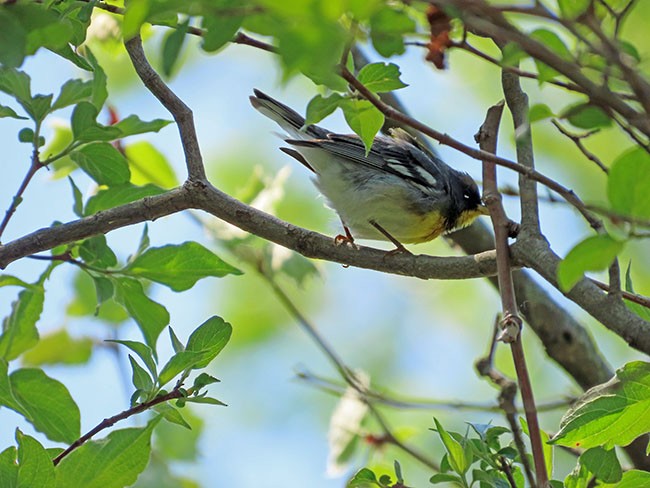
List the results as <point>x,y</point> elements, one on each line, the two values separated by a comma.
<point>8,280</point>
<point>134,16</point>
<point>38,107</point>
<point>132,125</point>
<point>603,463</point>
<point>119,195</point>
<point>100,91</point>
<point>83,118</point>
<point>595,253</point>
<point>9,468</point>
<point>571,9</point>
<point>144,242</point>
<point>95,251</point>
<point>7,398</point>
<point>631,479</point>
<point>143,351</point>
<point>19,328</point>
<point>630,49</point>
<point>26,135</point>
<point>103,163</point>
<point>10,112</point>
<point>205,400</point>
<point>59,348</point>
<point>17,84</point>
<point>381,77</point>
<point>209,339</point>
<point>140,378</point>
<point>362,479</point>
<point>219,30</point>
<point>47,404</point>
<point>113,462</point>
<point>104,289</point>
<point>172,45</point>
<point>445,478</point>
<point>150,316</point>
<point>553,42</point>
<point>539,111</point>
<point>77,208</point>
<point>85,127</point>
<point>177,345</point>
<point>612,414</point>
<point>73,92</point>
<point>628,185</point>
<point>320,107</point>
<point>178,363</point>
<point>179,444</point>
<point>364,119</point>
<point>149,165</point>
<point>586,116</point>
<point>13,40</point>
<point>84,303</point>
<point>203,380</point>
<point>387,29</point>
<point>35,467</point>
<point>511,54</point>
<point>457,457</point>
<point>179,266</point>
<point>640,310</point>
<point>578,478</point>
<point>171,414</point>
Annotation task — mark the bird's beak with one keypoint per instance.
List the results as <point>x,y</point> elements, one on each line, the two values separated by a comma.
<point>483,210</point>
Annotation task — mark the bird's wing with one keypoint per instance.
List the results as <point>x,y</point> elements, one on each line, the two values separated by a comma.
<point>396,157</point>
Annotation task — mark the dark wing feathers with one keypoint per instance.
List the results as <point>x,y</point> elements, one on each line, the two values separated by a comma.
<point>393,156</point>
<point>289,115</point>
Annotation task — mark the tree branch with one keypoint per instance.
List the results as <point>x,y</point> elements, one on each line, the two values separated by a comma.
<point>182,113</point>
<point>517,102</point>
<point>511,323</point>
<point>106,423</point>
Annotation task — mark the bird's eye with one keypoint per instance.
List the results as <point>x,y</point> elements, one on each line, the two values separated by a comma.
<point>466,196</point>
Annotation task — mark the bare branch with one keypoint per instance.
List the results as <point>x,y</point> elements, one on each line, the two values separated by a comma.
<point>182,113</point>
<point>577,140</point>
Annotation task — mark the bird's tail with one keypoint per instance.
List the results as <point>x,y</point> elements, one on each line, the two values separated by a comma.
<point>290,120</point>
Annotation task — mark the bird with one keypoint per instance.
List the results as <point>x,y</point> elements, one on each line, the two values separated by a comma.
<point>397,191</point>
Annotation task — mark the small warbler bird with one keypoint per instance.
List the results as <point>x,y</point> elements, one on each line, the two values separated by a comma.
<point>399,191</point>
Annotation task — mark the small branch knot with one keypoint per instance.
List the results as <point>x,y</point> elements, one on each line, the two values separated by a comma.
<point>511,325</point>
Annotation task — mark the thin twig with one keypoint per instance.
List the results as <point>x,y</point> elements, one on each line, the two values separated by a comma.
<point>34,166</point>
<point>577,140</point>
<point>106,423</point>
<point>511,322</point>
<point>390,400</point>
<point>632,297</point>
